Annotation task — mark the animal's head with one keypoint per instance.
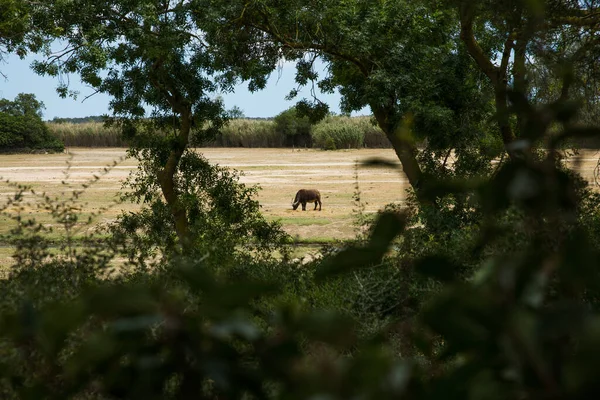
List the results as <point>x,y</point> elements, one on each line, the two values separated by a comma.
<point>295,204</point>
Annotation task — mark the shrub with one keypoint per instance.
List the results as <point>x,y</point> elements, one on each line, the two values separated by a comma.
<point>224,218</point>
<point>295,129</point>
<point>522,324</point>
<point>241,132</point>
<point>329,144</point>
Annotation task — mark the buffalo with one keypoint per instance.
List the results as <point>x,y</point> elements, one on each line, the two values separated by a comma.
<point>307,196</point>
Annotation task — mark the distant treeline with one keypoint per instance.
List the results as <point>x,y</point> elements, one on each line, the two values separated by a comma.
<point>79,120</point>
<point>285,130</point>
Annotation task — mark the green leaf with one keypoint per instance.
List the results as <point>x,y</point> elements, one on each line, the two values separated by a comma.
<point>388,226</point>
<point>438,267</point>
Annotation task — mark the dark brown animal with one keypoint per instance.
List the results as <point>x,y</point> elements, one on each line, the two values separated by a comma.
<point>307,196</point>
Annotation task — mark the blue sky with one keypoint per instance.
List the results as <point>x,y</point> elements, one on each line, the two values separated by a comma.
<point>266,103</point>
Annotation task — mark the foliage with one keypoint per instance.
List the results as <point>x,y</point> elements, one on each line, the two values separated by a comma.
<point>77,120</point>
<point>224,217</point>
<point>150,58</point>
<point>236,113</point>
<point>295,127</point>
<point>374,136</point>
<point>485,287</point>
<point>22,128</point>
<point>541,49</point>
<point>405,63</point>
<point>86,134</point>
<point>522,325</point>
<point>19,32</point>
<point>248,133</point>
<point>236,133</point>
<point>339,133</point>
<point>38,273</point>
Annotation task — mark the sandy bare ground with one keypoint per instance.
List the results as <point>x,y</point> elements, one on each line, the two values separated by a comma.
<point>279,172</point>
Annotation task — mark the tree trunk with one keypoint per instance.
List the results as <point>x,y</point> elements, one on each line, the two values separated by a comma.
<point>520,83</point>
<point>496,74</point>
<point>405,150</point>
<point>166,179</point>
<point>502,115</point>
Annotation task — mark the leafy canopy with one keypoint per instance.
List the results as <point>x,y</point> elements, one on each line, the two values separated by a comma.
<point>19,32</point>
<point>21,125</point>
<point>152,55</point>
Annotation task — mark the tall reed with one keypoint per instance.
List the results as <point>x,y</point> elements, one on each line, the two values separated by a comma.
<point>87,134</point>
<point>343,132</point>
<point>248,133</point>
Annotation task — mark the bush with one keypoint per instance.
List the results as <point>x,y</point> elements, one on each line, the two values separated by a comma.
<point>342,131</point>
<point>295,129</point>
<point>328,144</point>
<point>400,314</point>
<point>22,128</point>
<point>224,218</point>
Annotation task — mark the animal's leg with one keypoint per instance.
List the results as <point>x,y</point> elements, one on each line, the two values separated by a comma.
<point>315,205</point>
<point>303,206</point>
<point>319,205</point>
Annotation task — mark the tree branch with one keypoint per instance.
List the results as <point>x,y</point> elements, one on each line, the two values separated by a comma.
<point>475,51</point>
<point>297,44</point>
<point>508,47</point>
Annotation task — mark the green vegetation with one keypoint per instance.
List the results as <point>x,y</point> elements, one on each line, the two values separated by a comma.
<point>304,221</point>
<point>18,33</point>
<point>22,128</point>
<point>87,134</point>
<point>484,286</point>
<point>83,120</point>
<point>247,133</point>
<point>338,134</point>
<point>295,128</point>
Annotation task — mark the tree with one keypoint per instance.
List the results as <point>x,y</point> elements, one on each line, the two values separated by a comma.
<point>21,125</point>
<point>554,34</point>
<point>25,104</point>
<point>236,113</point>
<point>412,64</point>
<point>149,54</point>
<point>400,58</point>
<point>19,33</point>
<point>294,127</point>
<point>428,70</point>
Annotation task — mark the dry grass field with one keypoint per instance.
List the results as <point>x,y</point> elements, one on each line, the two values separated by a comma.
<point>279,172</point>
